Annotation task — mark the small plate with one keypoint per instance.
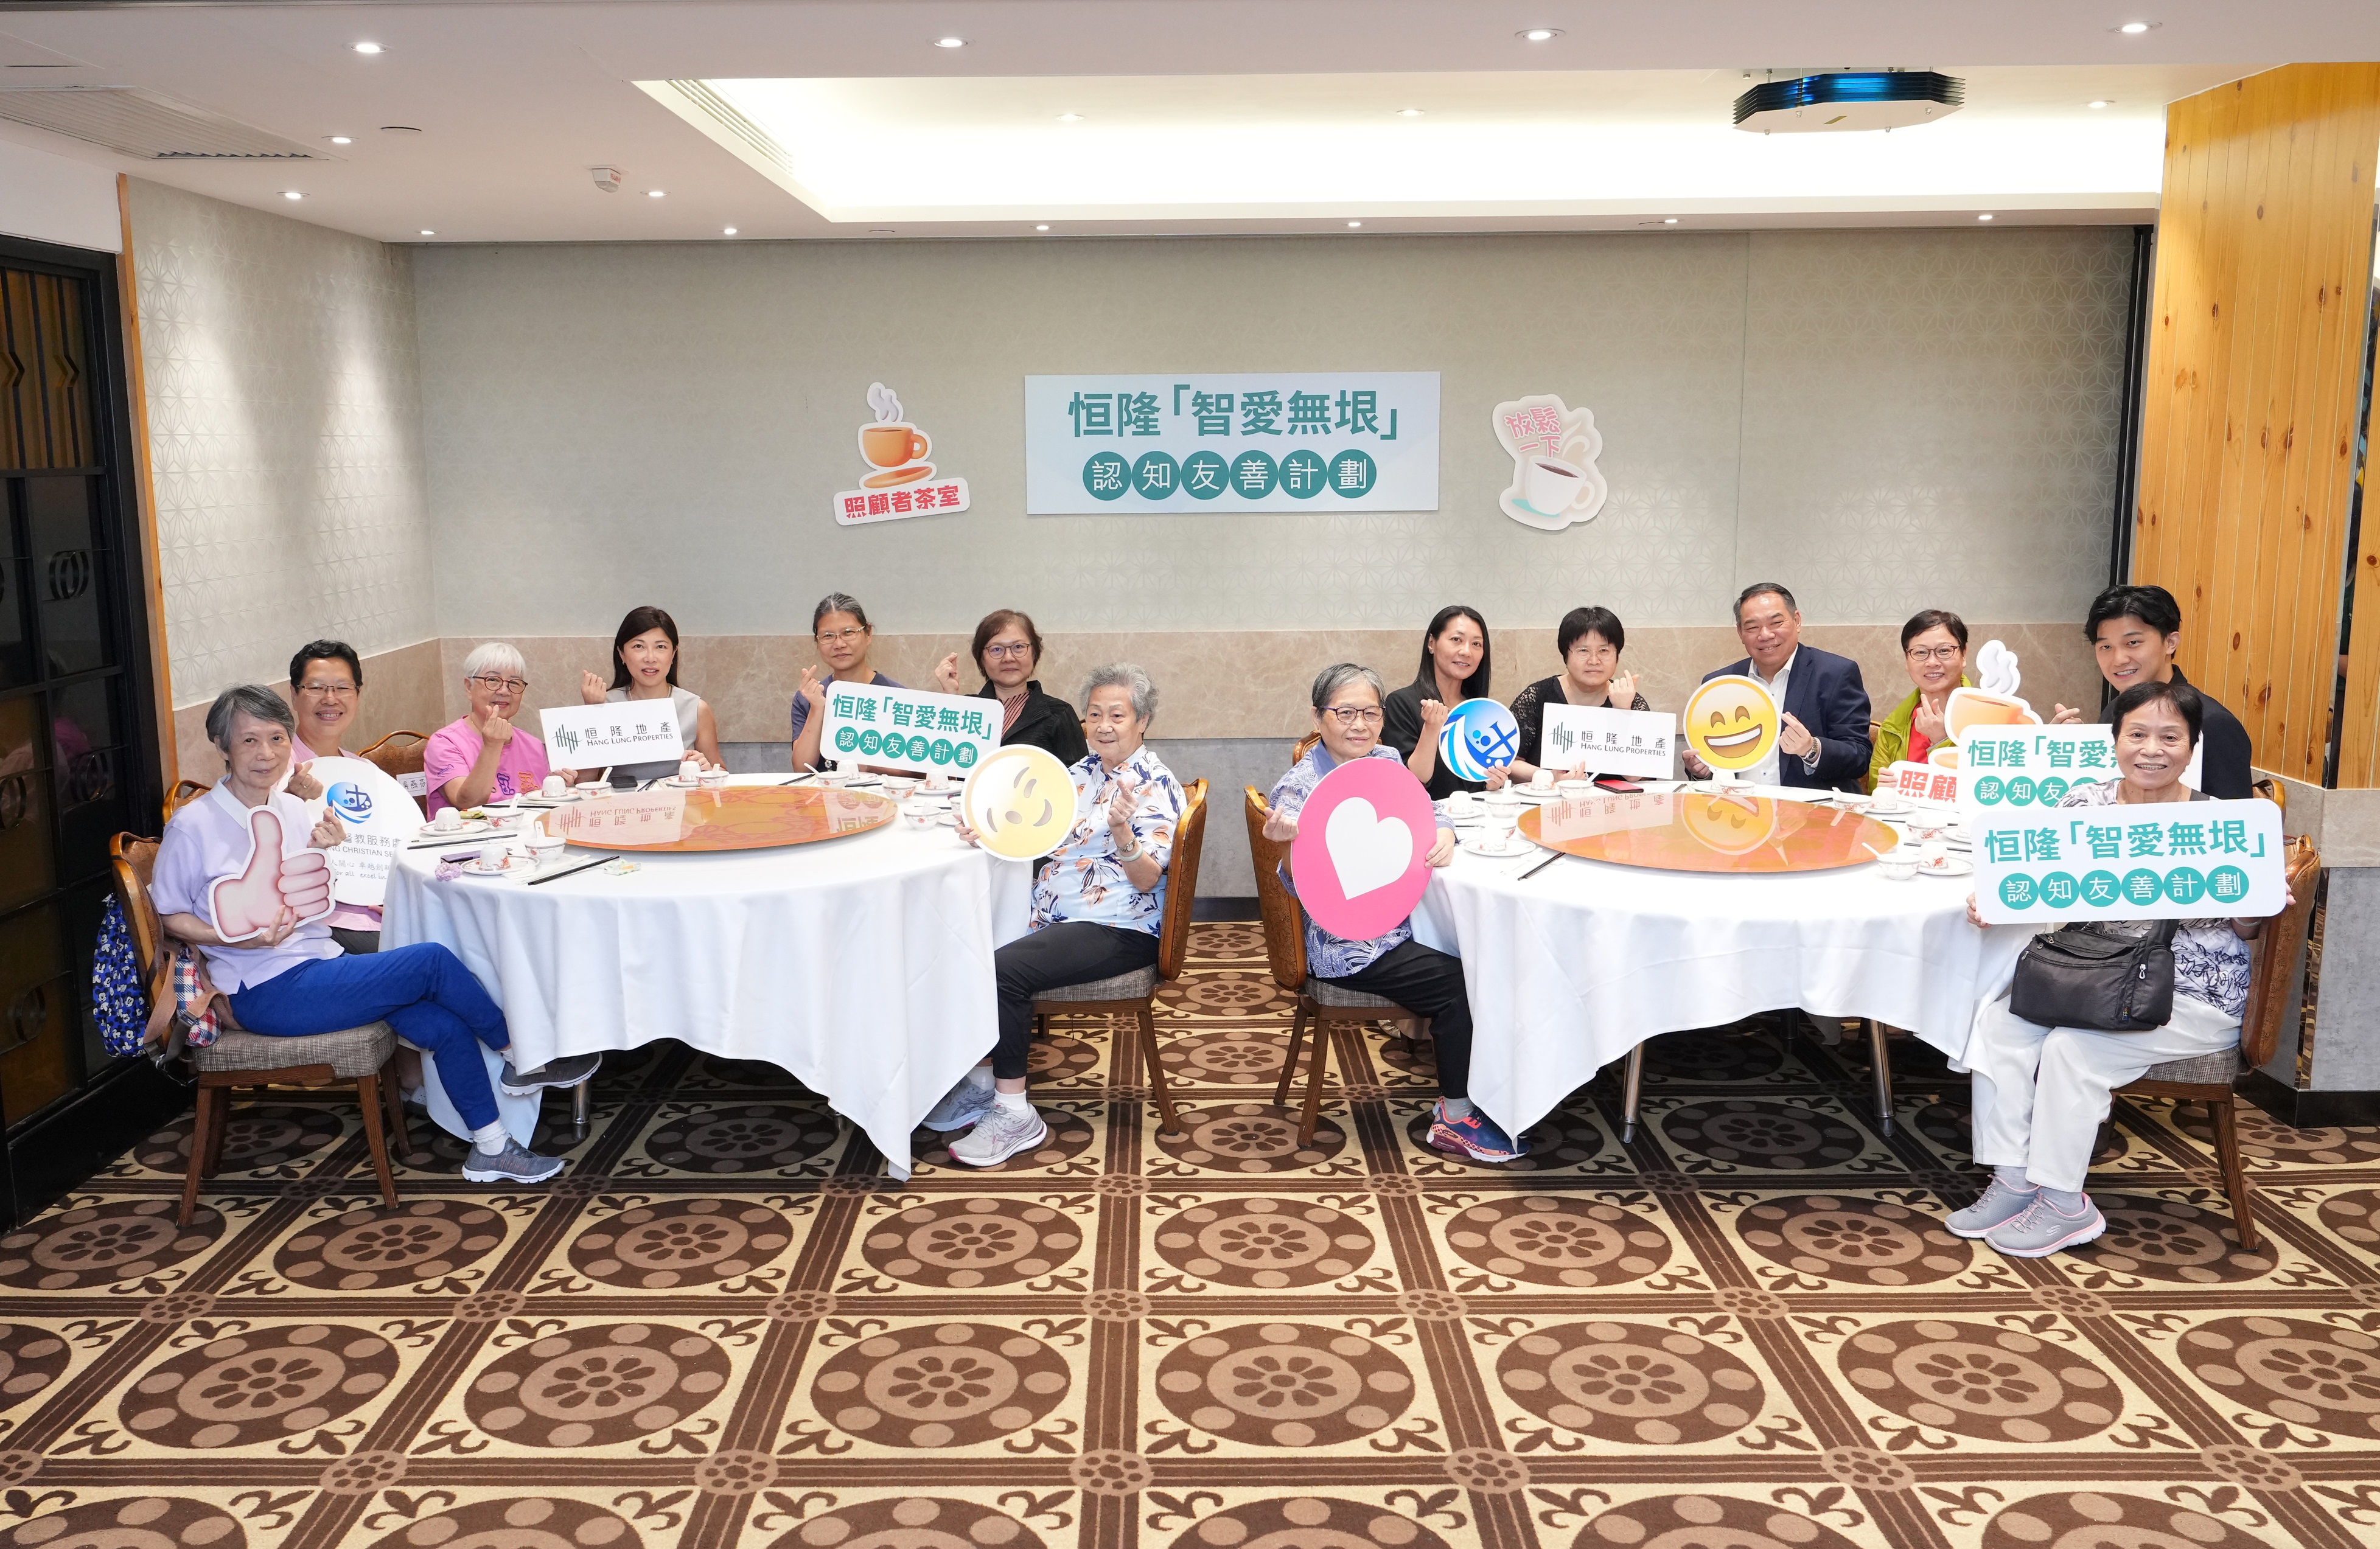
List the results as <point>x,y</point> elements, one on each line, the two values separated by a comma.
<point>476,867</point>
<point>474,825</point>
<point>1479,845</point>
<point>1948,866</point>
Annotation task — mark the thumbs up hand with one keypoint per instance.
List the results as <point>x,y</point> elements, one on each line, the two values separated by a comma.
<point>272,893</point>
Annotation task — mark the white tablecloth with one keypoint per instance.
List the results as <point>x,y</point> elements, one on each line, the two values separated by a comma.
<point>1573,967</point>
<point>862,966</point>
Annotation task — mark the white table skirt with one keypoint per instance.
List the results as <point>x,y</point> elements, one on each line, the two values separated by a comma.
<point>1573,967</point>
<point>862,966</point>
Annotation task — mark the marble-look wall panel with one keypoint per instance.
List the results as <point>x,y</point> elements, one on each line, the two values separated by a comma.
<point>284,436</point>
<point>401,694</point>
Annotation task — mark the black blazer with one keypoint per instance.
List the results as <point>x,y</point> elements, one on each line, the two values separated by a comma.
<point>1401,729</point>
<point>2224,754</point>
<point>1826,696</point>
<point>1045,722</point>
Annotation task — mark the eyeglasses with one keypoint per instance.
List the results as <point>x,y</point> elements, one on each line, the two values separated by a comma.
<point>507,686</point>
<point>1021,647</point>
<point>1936,653</point>
<point>329,691</point>
<point>839,636</point>
<point>1106,718</point>
<point>1351,717</point>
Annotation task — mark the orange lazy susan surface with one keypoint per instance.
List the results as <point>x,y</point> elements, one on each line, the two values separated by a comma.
<point>1700,830</point>
<point>724,817</point>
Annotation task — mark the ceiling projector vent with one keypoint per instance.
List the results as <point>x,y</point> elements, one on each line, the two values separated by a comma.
<point>1851,100</point>
<point>146,123</point>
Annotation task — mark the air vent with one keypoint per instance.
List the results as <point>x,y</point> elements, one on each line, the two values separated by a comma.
<point>147,123</point>
<point>1851,100</point>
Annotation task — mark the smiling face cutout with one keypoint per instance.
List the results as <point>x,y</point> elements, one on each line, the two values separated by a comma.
<point>1730,722</point>
<point>1020,802</point>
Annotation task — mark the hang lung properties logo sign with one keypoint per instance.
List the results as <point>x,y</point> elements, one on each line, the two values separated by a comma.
<point>1343,441</point>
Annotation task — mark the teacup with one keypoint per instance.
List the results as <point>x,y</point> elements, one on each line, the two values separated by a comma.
<point>1897,867</point>
<point>1971,707</point>
<point>541,844</point>
<point>1576,790</point>
<point>553,785</point>
<point>922,815</point>
<point>1461,804</point>
<point>448,819</point>
<point>1554,486</point>
<point>1542,780</point>
<point>891,444</point>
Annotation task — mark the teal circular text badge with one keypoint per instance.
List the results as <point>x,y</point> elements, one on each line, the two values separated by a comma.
<point>2185,884</point>
<point>1106,476</point>
<point>2228,883</point>
<point>1353,474</point>
<point>1254,476</point>
<point>1204,475</point>
<point>1989,791</point>
<point>963,754</point>
<point>2143,887</point>
<point>942,750</point>
<point>2059,890</point>
<point>2100,888</point>
<point>1303,475</point>
<point>2052,790</point>
<point>847,739</point>
<point>871,742</point>
<point>2017,891</point>
<point>920,750</point>
<point>1156,476</point>
<point>2020,790</point>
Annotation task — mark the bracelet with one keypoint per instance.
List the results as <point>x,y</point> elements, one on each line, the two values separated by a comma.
<point>1132,855</point>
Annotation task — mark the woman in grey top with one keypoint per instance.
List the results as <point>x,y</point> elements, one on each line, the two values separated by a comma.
<point>644,666</point>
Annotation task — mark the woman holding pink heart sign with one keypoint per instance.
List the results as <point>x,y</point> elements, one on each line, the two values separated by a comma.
<point>240,875</point>
<point>1348,703</point>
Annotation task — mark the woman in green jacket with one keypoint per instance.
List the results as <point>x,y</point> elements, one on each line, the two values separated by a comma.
<point>1933,648</point>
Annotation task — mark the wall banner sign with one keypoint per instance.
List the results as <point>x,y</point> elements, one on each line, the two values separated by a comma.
<point>902,728</point>
<point>1636,743</point>
<point>1304,440</point>
<point>2173,861</point>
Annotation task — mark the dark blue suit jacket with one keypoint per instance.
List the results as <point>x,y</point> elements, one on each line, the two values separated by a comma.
<point>1824,694</point>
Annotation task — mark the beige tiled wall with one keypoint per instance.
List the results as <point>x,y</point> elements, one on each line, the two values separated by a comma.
<point>401,694</point>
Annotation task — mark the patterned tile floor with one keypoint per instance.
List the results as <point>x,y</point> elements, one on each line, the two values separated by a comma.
<point>1746,1330</point>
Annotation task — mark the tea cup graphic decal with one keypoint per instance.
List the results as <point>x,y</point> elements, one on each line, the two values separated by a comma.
<point>1553,448</point>
<point>901,481</point>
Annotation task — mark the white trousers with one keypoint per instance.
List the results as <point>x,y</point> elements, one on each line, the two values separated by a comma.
<point>2041,1093</point>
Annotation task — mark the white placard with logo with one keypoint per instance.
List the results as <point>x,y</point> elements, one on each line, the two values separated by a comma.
<point>379,815</point>
<point>902,729</point>
<point>1641,744</point>
<point>2172,861</point>
<point>616,731</point>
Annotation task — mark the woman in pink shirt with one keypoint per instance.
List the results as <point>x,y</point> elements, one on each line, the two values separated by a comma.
<point>483,756</point>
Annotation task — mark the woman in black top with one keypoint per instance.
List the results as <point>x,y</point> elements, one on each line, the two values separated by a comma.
<point>1591,640</point>
<point>1007,648</point>
<point>1454,668</point>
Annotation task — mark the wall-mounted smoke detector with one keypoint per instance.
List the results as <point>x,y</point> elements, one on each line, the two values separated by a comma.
<point>606,178</point>
<point>1849,99</point>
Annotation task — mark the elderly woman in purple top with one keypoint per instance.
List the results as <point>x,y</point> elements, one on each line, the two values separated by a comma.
<point>1347,711</point>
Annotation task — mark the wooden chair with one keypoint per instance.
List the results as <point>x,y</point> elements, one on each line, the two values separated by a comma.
<point>1135,993</point>
<point>400,754</point>
<point>2209,1077</point>
<point>1323,1005</point>
<point>1304,747</point>
<point>239,1058</point>
<point>184,793</point>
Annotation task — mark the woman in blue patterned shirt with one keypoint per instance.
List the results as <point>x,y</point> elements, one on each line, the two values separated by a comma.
<point>1097,909</point>
<point>1347,711</point>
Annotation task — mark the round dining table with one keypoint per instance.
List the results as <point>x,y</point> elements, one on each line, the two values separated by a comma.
<point>860,963</point>
<point>1571,963</point>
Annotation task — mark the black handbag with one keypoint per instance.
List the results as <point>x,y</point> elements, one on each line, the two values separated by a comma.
<point>2114,976</point>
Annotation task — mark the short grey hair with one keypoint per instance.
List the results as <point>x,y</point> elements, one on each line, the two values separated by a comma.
<point>253,700</point>
<point>498,655</point>
<point>1330,679</point>
<point>1128,676</point>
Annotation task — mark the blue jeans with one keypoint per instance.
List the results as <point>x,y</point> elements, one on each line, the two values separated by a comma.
<point>422,991</point>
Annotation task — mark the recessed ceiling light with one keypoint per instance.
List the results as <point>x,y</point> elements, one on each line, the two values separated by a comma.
<point>1983,217</point>
<point>1352,225</point>
<point>368,48</point>
<point>727,231</point>
<point>1669,220</point>
<point>2100,102</point>
<point>291,193</point>
<point>427,232</point>
<point>950,43</point>
<point>2138,27</point>
<point>1070,118</point>
<point>1409,113</point>
<point>342,140</point>
<point>1040,228</point>
<point>655,193</point>
<point>1540,35</point>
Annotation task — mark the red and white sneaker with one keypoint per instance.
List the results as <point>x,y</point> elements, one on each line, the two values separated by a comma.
<point>1474,1136</point>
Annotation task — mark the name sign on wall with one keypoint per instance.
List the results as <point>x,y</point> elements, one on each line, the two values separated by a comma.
<point>617,731</point>
<point>1306,441</point>
<point>902,728</point>
<point>1639,743</point>
<point>2175,861</point>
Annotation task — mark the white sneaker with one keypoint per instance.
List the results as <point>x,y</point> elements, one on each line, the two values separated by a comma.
<point>964,1104</point>
<point>999,1134</point>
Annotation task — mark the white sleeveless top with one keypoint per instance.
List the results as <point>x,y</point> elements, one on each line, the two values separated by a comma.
<point>688,705</point>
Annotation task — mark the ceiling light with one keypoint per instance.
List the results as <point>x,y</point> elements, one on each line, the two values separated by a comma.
<point>1070,118</point>
<point>1352,225</point>
<point>427,232</point>
<point>950,43</point>
<point>343,139</point>
<point>2136,27</point>
<point>1985,217</point>
<point>2101,102</point>
<point>1040,228</point>
<point>655,193</point>
<point>291,193</point>
<point>1669,220</point>
<point>727,231</point>
<point>368,48</point>
<point>1540,35</point>
<point>1409,113</point>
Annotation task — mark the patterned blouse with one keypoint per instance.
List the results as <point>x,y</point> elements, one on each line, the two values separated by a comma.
<point>2210,962</point>
<point>1083,880</point>
<point>1329,956</point>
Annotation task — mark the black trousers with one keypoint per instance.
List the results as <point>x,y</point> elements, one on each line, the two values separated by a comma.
<point>1427,983</point>
<point>1072,952</point>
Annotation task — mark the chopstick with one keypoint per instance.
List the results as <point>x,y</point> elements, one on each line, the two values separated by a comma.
<point>582,865</point>
<point>1539,866</point>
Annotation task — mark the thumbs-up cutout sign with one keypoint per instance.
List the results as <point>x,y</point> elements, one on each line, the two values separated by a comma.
<point>272,892</point>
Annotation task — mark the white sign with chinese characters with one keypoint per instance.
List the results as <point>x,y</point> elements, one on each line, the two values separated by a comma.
<point>902,728</point>
<point>1296,441</point>
<point>1920,782</point>
<point>2018,769</point>
<point>1641,744</point>
<point>379,816</point>
<point>617,731</point>
<point>2173,861</point>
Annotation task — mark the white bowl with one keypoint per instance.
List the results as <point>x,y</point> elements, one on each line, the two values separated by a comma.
<point>1574,790</point>
<point>1897,868</point>
<point>899,786</point>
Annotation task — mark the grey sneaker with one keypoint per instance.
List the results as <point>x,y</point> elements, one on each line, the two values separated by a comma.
<point>514,1164</point>
<point>962,1104</point>
<point>568,1071</point>
<point>999,1134</point>
<point>2041,1229</point>
<point>1999,1205</point>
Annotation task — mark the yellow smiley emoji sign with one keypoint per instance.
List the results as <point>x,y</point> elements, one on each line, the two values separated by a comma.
<point>1020,802</point>
<point>1732,723</point>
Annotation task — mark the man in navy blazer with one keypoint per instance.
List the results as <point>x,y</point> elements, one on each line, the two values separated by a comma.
<point>1825,743</point>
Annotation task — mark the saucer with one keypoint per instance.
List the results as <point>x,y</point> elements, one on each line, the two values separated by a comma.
<point>476,866</point>
<point>469,825</point>
<point>891,477</point>
<point>1948,866</point>
<point>1505,852</point>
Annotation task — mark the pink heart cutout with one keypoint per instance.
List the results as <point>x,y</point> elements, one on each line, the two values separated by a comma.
<point>1345,853</point>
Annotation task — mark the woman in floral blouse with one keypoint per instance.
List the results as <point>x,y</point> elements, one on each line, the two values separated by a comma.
<point>1097,909</point>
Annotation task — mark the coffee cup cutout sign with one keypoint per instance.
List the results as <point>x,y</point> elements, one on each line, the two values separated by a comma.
<point>247,903</point>
<point>1020,802</point>
<point>1553,448</point>
<point>900,480</point>
<point>1361,855</point>
<point>1479,735</point>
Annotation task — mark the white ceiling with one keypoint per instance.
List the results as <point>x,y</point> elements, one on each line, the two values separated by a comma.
<point>1198,115</point>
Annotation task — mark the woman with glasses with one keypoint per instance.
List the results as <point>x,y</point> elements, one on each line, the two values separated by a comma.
<point>644,666</point>
<point>1348,712</point>
<point>1454,667</point>
<point>1933,648</point>
<point>1590,640</point>
<point>840,625</point>
<point>1007,648</point>
<point>483,756</point>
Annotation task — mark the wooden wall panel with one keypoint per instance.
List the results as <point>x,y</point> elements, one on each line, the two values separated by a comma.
<point>2251,395</point>
<point>2359,738</point>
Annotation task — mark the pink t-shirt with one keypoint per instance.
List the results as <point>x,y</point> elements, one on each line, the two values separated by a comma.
<point>452,750</point>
